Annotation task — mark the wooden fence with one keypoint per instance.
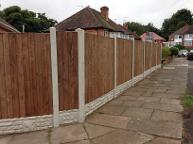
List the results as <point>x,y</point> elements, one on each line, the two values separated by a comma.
<point>26,70</point>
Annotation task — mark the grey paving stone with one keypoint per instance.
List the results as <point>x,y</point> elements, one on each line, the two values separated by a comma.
<point>163,106</point>
<point>31,138</point>
<point>170,101</point>
<point>164,141</point>
<point>111,109</point>
<point>123,137</point>
<point>166,116</point>
<point>159,128</point>
<point>133,103</point>
<point>167,95</point>
<point>107,120</point>
<point>69,133</point>
<point>138,113</point>
<point>80,142</point>
<point>127,98</point>
<point>149,99</point>
<point>94,131</point>
<point>6,139</point>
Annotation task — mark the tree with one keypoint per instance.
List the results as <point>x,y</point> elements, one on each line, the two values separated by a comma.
<point>176,21</point>
<point>33,22</point>
<point>140,29</point>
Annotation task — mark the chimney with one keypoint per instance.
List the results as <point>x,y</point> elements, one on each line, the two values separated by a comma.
<point>105,12</point>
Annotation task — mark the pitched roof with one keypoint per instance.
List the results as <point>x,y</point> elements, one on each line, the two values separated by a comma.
<point>186,29</point>
<point>7,26</point>
<point>153,35</point>
<point>88,18</point>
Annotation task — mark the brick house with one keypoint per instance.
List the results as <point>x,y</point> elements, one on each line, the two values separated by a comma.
<point>183,36</point>
<point>5,27</point>
<point>152,36</point>
<point>95,22</point>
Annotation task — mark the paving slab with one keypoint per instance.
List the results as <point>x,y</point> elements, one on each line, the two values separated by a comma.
<point>136,103</point>
<point>6,139</point>
<point>170,101</point>
<point>123,137</point>
<point>167,95</point>
<point>80,142</point>
<point>69,133</point>
<point>149,99</point>
<point>138,113</point>
<point>164,141</point>
<point>108,120</point>
<point>158,128</point>
<point>31,138</point>
<point>163,106</point>
<point>94,131</point>
<point>111,109</point>
<point>127,98</point>
<point>166,116</point>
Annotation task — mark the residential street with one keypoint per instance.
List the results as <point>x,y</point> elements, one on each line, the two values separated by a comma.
<point>149,113</point>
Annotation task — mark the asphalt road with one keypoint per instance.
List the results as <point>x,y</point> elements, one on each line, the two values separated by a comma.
<point>190,76</point>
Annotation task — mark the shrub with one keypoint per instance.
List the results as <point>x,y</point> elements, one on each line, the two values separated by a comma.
<point>165,52</point>
<point>187,101</point>
<point>180,47</point>
<point>174,51</point>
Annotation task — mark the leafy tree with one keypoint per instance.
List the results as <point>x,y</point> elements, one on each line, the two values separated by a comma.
<point>34,22</point>
<point>140,29</point>
<point>176,21</point>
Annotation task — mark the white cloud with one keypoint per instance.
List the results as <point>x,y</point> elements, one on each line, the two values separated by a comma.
<point>143,11</point>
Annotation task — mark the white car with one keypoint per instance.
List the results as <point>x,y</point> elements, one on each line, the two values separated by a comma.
<point>183,53</point>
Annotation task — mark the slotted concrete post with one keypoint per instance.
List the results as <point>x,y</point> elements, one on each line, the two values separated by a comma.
<point>133,62</point>
<point>81,74</point>
<point>54,65</point>
<point>144,60</point>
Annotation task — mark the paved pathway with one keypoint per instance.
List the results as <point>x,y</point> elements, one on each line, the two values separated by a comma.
<point>149,113</point>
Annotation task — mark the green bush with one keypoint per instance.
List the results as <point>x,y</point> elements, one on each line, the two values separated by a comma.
<point>187,101</point>
<point>165,52</point>
<point>174,51</point>
<point>180,47</point>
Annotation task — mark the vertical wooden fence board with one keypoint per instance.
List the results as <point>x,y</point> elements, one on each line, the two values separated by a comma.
<point>124,60</point>
<point>3,102</point>
<point>139,57</point>
<point>99,59</point>
<point>21,84</point>
<point>68,70</point>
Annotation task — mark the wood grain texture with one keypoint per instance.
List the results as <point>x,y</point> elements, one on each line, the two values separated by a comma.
<point>99,66</point>
<point>124,60</point>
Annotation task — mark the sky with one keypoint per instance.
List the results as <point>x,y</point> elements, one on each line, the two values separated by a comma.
<point>143,11</point>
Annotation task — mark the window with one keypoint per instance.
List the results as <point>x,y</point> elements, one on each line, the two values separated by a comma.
<point>106,33</point>
<point>178,36</point>
<point>188,36</point>
<point>187,43</point>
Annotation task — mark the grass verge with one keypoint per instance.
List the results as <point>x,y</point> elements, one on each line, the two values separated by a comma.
<point>187,101</point>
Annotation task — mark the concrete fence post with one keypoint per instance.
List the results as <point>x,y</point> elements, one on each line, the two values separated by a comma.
<point>54,65</point>
<point>81,74</point>
<point>115,65</point>
<point>133,63</point>
<point>144,60</point>
<point>156,56</point>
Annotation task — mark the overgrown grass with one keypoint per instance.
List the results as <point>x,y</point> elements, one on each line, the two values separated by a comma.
<point>187,101</point>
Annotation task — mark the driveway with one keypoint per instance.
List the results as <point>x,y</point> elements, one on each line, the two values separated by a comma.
<point>149,113</point>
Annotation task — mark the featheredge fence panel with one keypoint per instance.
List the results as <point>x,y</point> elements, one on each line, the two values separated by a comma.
<point>148,55</point>
<point>99,66</point>
<point>25,75</point>
<point>67,70</point>
<point>124,60</point>
<point>139,57</point>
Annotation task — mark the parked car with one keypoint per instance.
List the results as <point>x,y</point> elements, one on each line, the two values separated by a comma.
<point>183,53</point>
<point>190,55</point>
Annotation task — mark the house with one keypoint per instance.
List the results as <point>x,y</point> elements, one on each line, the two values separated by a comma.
<point>5,27</point>
<point>95,22</point>
<point>152,37</point>
<point>183,36</point>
